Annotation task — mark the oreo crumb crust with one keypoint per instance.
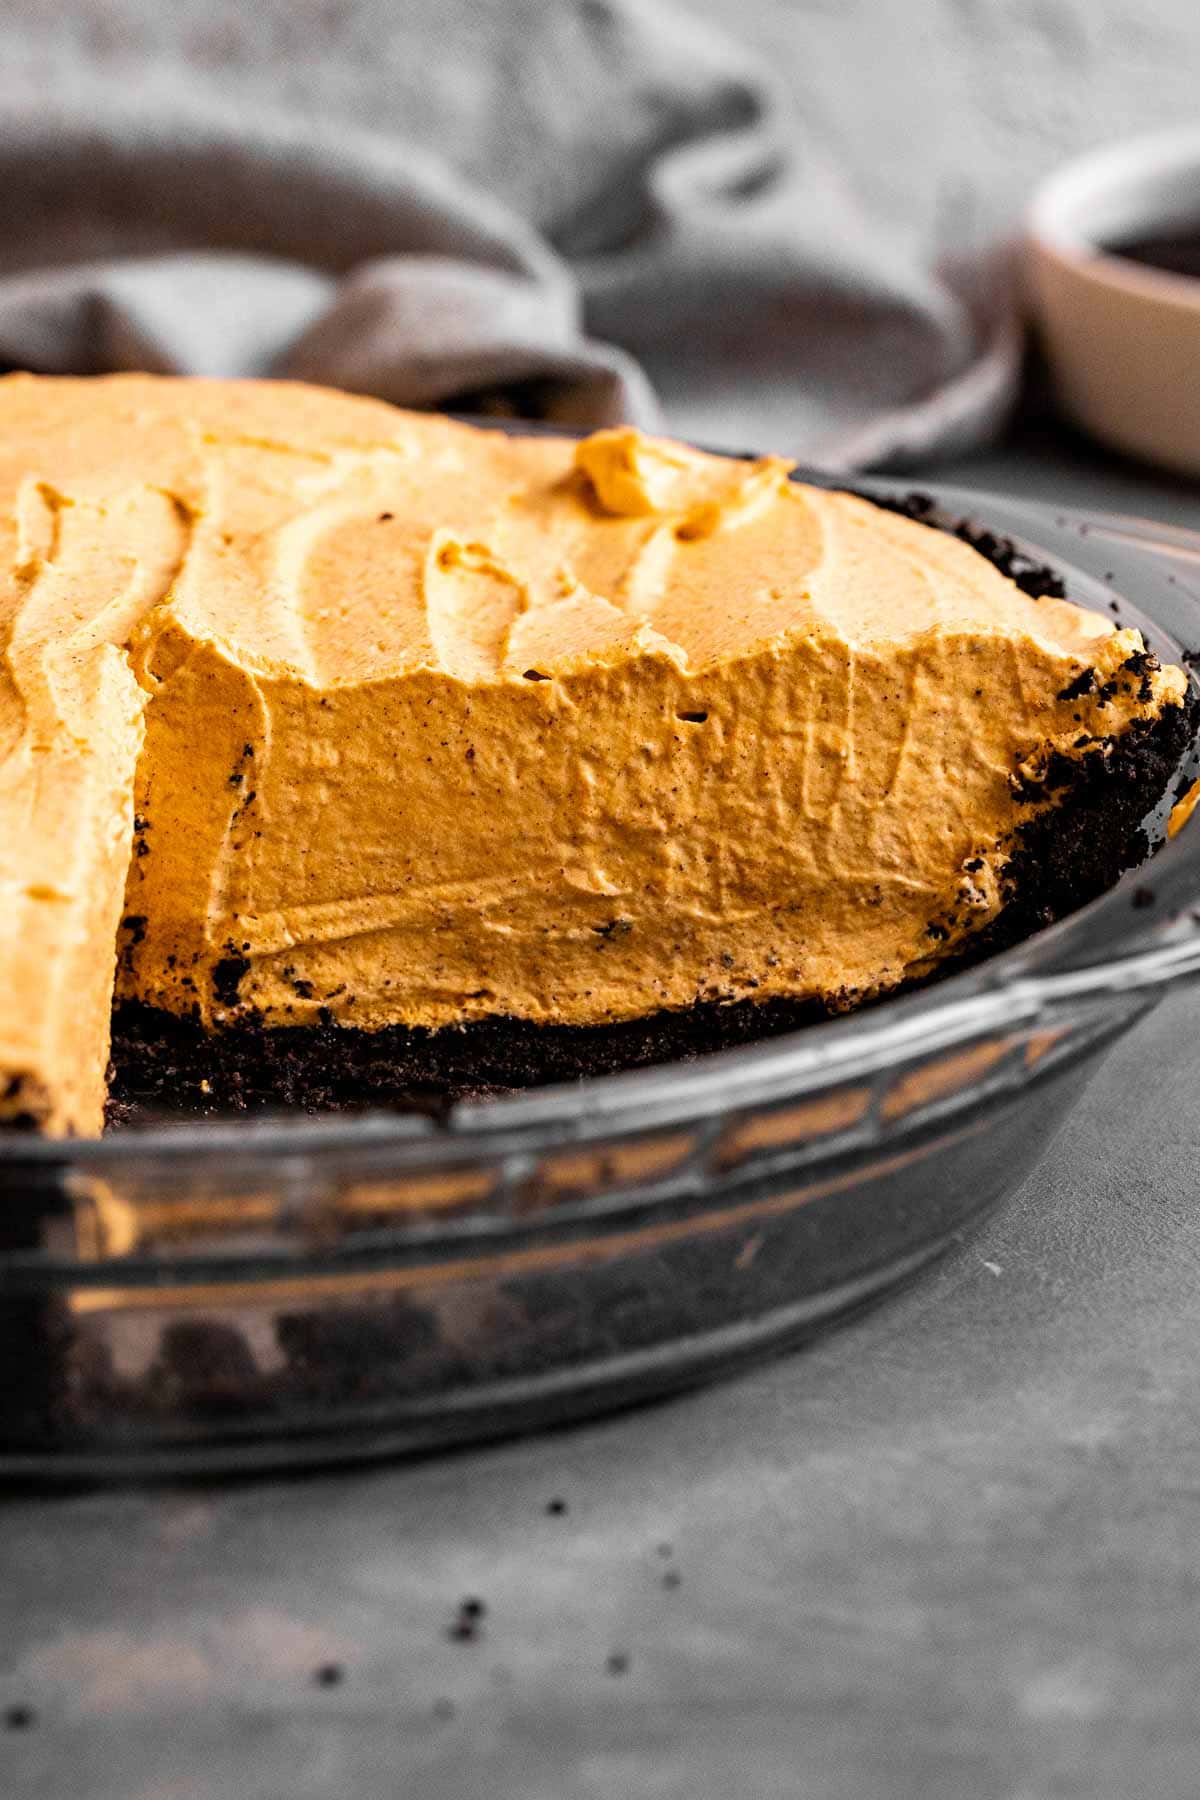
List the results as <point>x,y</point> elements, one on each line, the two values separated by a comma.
<point>164,1066</point>
<point>159,1061</point>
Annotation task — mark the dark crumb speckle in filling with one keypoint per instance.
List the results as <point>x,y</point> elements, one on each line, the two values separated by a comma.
<point>614,928</point>
<point>227,978</point>
<point>1083,684</point>
<point>1142,664</point>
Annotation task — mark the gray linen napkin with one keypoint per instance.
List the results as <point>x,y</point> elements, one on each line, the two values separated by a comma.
<point>589,210</point>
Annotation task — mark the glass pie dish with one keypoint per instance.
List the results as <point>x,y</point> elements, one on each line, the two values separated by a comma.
<point>288,1290</point>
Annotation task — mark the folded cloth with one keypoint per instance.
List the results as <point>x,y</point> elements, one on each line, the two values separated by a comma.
<point>587,210</point>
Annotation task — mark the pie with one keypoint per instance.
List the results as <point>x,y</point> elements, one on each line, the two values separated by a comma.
<point>349,752</point>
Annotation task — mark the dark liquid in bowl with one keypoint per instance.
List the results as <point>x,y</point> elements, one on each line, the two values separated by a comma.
<point>1176,251</point>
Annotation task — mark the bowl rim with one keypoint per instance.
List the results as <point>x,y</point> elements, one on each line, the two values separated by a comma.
<point>1052,228</point>
<point>1107,943</point>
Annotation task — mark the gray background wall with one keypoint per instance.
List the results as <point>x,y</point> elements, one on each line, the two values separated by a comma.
<point>946,112</point>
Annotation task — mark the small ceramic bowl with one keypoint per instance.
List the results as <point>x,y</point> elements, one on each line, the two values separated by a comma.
<point>1123,339</point>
